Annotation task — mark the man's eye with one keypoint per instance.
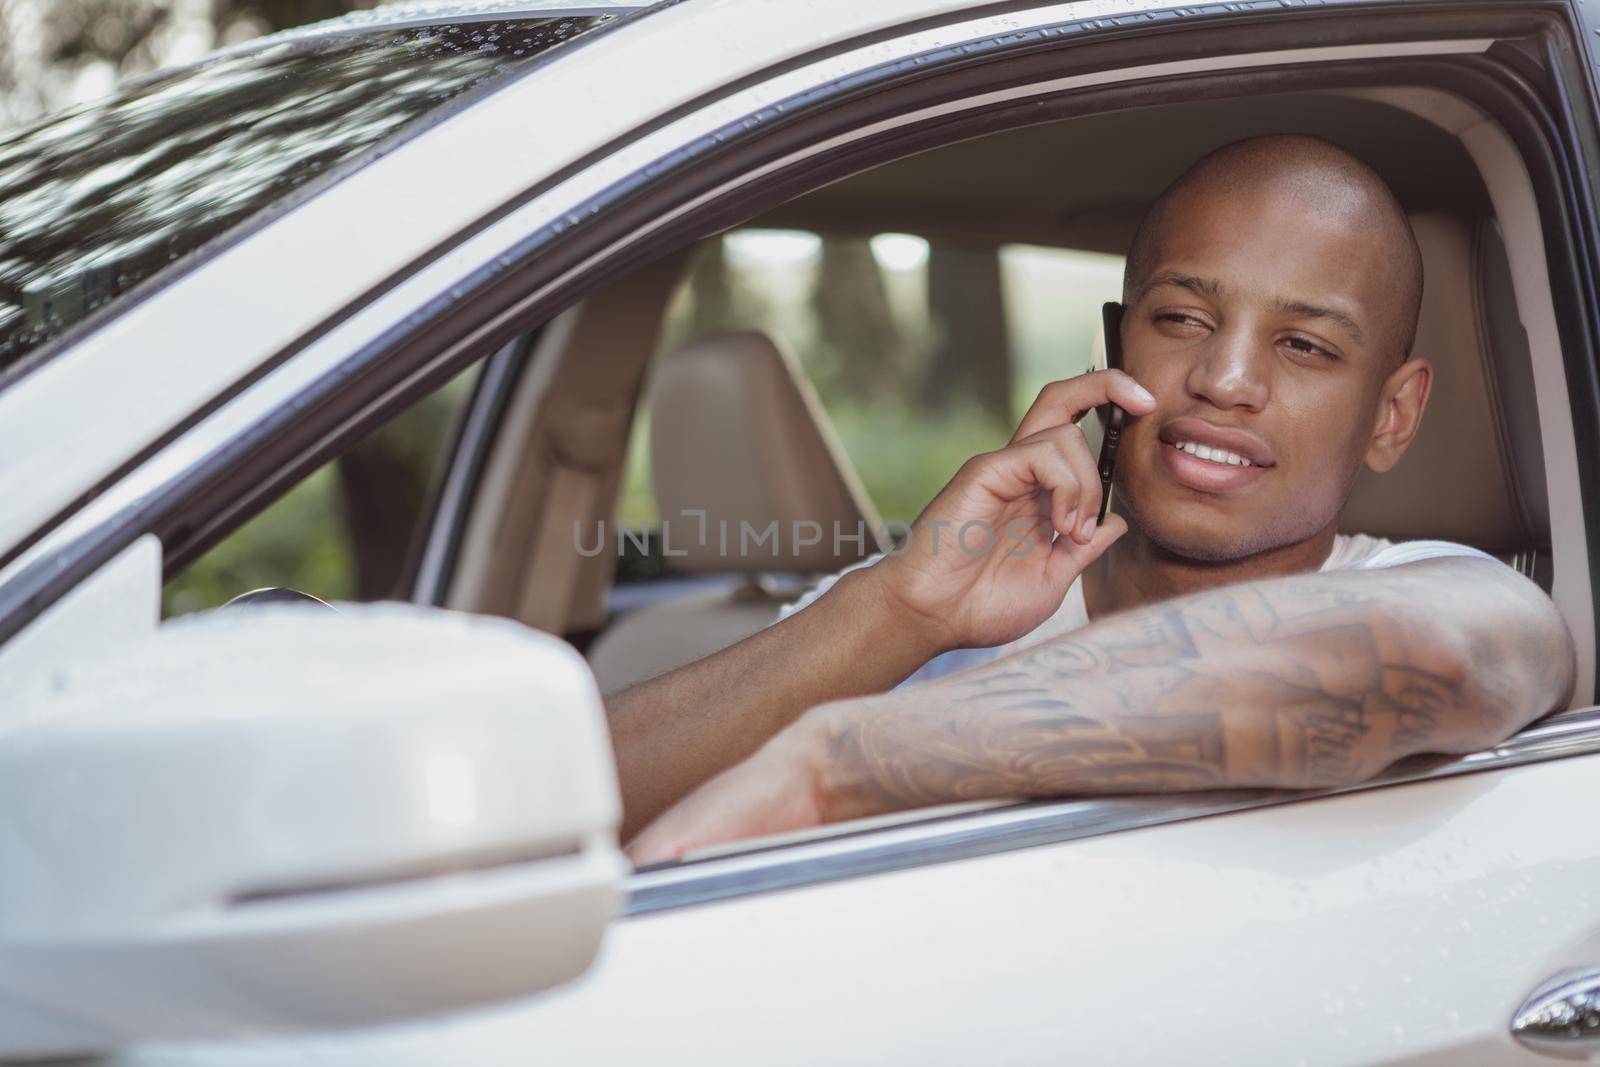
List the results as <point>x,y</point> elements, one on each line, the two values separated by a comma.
<point>1178,317</point>
<point>1300,344</point>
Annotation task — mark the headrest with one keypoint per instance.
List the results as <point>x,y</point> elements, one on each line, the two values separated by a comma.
<point>737,432</point>
<point>1475,472</point>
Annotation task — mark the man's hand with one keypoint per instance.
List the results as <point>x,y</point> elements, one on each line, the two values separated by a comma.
<point>987,561</point>
<point>983,564</point>
<point>772,792</point>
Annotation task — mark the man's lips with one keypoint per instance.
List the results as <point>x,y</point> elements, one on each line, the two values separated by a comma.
<point>1205,475</point>
<point>1212,459</point>
<point>1200,432</point>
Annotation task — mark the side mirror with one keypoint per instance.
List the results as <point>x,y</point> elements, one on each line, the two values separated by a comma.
<point>287,819</point>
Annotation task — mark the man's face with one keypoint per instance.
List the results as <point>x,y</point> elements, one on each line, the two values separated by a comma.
<point>1261,331</point>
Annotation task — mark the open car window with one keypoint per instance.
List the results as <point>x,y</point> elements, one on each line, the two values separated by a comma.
<point>922,352</point>
<point>346,531</point>
<point>902,297</point>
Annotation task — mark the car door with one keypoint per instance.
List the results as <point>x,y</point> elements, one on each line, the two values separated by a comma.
<point>1401,923</point>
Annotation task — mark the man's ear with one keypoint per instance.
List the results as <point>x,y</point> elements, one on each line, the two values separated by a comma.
<point>1400,403</point>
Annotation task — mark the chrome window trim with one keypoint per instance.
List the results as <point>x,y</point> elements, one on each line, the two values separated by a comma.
<point>966,835</point>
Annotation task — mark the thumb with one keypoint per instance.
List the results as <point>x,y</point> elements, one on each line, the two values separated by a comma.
<point>1068,559</point>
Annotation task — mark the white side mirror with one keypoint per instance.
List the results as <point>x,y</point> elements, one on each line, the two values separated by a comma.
<point>283,819</point>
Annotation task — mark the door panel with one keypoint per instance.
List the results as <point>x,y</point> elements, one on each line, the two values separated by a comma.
<point>1393,926</point>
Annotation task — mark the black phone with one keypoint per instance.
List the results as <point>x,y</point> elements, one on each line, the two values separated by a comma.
<point>1111,416</point>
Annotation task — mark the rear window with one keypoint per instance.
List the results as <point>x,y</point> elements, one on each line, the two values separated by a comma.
<point>97,199</point>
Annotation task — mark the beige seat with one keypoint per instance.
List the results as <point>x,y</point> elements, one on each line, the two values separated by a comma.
<point>738,443</point>
<point>1475,473</point>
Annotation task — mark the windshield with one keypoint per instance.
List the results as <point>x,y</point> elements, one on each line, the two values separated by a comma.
<point>99,198</point>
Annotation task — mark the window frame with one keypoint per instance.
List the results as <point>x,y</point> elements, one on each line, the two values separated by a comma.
<point>349,379</point>
<point>940,838</point>
<point>964,835</point>
<point>445,517</point>
<point>489,261</point>
<point>739,209</point>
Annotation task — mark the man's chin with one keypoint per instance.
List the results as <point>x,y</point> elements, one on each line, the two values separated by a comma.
<point>1214,539</point>
<point>1202,550</point>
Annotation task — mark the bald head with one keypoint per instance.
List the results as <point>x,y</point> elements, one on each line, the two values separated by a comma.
<point>1320,178</point>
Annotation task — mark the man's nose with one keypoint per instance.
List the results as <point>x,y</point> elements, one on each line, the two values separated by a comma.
<point>1232,369</point>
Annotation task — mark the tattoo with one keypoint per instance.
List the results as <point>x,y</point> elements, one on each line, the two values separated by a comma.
<point>1308,681</point>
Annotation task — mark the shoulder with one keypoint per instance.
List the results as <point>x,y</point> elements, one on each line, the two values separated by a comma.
<point>1361,552</point>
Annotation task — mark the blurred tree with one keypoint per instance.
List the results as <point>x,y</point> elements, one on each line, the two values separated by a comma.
<point>858,350</point>
<point>54,53</point>
<point>711,290</point>
<point>716,297</point>
<point>383,485</point>
<point>971,357</point>
<point>279,14</point>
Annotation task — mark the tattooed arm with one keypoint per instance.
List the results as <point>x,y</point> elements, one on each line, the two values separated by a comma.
<point>1306,681</point>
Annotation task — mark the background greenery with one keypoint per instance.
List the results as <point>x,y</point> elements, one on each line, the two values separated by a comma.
<point>865,328</point>
<point>904,438</point>
<point>308,538</point>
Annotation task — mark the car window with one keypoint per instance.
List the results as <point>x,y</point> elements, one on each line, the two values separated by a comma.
<point>99,198</point>
<point>347,531</point>
<point>922,352</point>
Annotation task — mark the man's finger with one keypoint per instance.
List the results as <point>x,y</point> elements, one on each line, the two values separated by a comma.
<point>1018,471</point>
<point>1072,445</point>
<point>1068,559</point>
<point>1068,400</point>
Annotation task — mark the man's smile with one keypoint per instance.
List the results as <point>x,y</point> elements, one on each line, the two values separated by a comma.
<point>1213,459</point>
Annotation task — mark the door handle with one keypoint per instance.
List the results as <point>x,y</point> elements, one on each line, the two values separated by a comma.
<point>1562,1016</point>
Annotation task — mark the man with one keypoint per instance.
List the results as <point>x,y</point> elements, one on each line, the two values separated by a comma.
<point>1221,635</point>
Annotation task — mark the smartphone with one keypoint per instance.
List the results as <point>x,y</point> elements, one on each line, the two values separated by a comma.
<point>1111,416</point>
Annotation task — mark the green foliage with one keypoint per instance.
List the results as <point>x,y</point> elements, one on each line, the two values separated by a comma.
<point>299,541</point>
<point>636,501</point>
<point>903,451</point>
<point>303,539</point>
<point>904,455</point>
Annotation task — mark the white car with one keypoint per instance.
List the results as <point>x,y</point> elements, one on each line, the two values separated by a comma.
<point>387,835</point>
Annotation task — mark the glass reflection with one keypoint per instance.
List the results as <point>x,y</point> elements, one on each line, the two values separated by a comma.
<point>97,199</point>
